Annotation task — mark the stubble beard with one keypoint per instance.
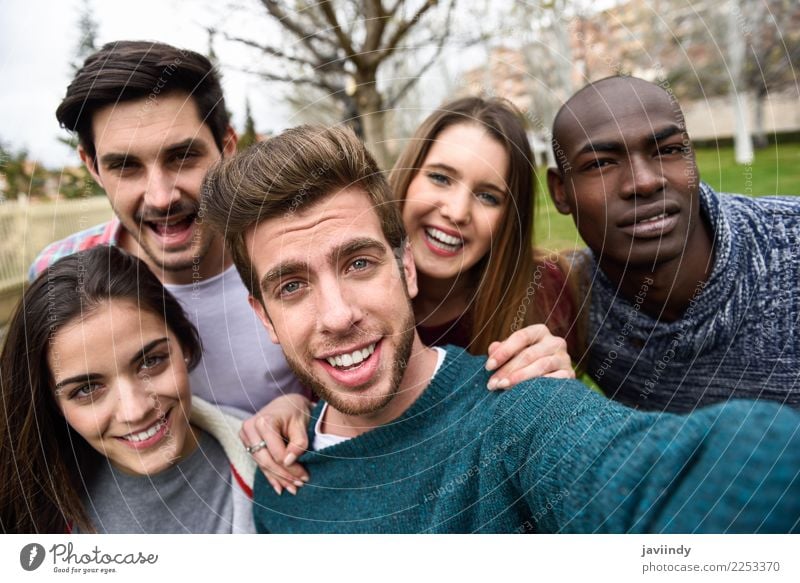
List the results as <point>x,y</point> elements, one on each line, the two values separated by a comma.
<point>196,248</point>
<point>355,405</point>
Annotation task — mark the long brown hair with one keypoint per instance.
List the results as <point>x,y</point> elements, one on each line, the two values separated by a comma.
<point>507,296</point>
<point>43,462</point>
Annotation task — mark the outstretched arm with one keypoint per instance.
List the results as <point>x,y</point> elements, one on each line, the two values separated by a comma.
<point>605,468</point>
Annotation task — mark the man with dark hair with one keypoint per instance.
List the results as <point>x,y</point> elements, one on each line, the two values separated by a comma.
<point>693,294</point>
<point>151,120</point>
<point>406,439</point>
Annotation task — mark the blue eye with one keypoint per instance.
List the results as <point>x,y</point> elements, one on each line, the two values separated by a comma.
<point>488,198</point>
<point>438,178</point>
<point>360,264</point>
<point>289,288</point>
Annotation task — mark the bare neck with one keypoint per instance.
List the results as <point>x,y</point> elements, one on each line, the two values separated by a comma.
<point>214,261</point>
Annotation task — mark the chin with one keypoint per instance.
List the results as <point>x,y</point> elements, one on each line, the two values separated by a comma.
<point>357,405</point>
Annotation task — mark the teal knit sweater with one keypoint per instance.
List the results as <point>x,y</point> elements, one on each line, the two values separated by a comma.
<point>547,456</point>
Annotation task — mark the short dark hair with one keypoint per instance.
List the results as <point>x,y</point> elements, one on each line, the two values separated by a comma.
<point>42,460</point>
<point>287,173</point>
<point>129,70</point>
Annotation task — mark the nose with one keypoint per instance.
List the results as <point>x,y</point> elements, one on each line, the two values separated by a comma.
<point>457,205</point>
<point>643,177</point>
<point>337,311</point>
<point>135,402</point>
<point>162,190</point>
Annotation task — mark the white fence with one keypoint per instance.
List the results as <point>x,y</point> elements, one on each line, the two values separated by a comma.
<point>26,228</point>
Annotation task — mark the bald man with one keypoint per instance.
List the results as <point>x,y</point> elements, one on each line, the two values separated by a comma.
<point>694,294</point>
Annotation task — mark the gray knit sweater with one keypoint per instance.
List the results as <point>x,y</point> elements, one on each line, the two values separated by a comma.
<point>736,339</point>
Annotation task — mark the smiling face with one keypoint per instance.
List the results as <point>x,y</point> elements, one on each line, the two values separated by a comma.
<point>628,174</point>
<point>455,203</point>
<point>121,382</point>
<point>151,160</point>
<point>336,300</point>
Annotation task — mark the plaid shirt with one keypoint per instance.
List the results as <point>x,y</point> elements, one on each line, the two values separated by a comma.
<point>102,234</point>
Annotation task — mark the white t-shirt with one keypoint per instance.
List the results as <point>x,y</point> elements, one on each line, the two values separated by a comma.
<point>323,440</point>
<point>241,367</point>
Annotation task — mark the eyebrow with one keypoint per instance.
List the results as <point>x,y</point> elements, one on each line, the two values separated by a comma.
<point>440,166</point>
<point>107,159</point>
<point>345,249</point>
<point>148,347</point>
<point>182,146</point>
<point>617,146</point>
<point>186,144</point>
<point>93,376</point>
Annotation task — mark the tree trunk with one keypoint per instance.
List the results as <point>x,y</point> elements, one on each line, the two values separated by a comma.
<point>373,121</point>
<point>742,141</point>
<point>759,135</point>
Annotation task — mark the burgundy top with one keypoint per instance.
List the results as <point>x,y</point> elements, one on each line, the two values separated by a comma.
<point>458,332</point>
<point>561,316</point>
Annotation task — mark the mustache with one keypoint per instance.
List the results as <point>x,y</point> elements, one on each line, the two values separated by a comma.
<point>180,208</point>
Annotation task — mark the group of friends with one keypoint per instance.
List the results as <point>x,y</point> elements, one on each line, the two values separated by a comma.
<point>285,340</point>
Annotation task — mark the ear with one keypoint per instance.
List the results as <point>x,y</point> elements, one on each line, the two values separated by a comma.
<point>261,312</point>
<point>89,162</point>
<point>410,271</point>
<point>555,184</point>
<point>229,141</point>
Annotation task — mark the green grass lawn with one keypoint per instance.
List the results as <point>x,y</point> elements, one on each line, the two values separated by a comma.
<point>776,170</point>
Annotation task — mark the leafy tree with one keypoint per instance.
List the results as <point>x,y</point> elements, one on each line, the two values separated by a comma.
<point>87,42</point>
<point>20,176</point>
<point>249,136</point>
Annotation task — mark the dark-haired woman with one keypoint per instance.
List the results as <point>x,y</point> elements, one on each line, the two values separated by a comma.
<point>99,431</point>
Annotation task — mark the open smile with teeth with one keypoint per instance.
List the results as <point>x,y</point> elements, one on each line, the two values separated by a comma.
<point>353,359</point>
<point>442,240</point>
<point>147,433</point>
<point>171,226</point>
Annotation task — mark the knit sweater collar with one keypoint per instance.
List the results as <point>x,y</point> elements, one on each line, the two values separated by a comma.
<point>728,257</point>
<point>441,388</point>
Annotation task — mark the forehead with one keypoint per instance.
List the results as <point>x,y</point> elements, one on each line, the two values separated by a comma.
<point>618,110</point>
<point>308,234</point>
<point>114,329</point>
<point>148,122</point>
<point>470,146</point>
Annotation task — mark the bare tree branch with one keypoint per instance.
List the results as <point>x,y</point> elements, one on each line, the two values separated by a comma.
<point>304,35</point>
<point>402,30</point>
<point>376,24</point>
<point>344,40</point>
<point>272,51</point>
<point>439,43</point>
<point>319,82</point>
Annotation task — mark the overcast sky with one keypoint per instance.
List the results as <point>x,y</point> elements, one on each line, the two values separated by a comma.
<point>38,40</point>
